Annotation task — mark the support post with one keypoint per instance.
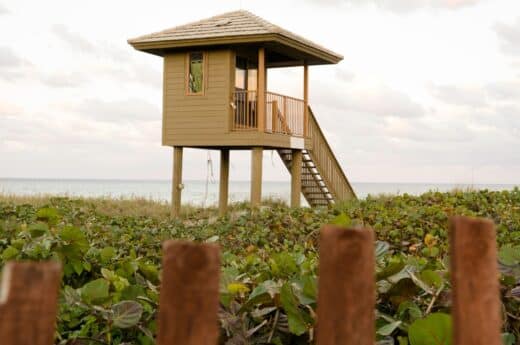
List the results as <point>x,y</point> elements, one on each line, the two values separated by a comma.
<point>177,181</point>
<point>256,176</point>
<point>274,116</point>
<point>189,298</point>
<point>346,287</point>
<point>476,305</point>
<point>261,89</point>
<point>29,302</point>
<point>224,182</point>
<point>305,100</point>
<point>296,178</point>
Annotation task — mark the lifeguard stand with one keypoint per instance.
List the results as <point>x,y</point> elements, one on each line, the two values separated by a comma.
<point>215,97</point>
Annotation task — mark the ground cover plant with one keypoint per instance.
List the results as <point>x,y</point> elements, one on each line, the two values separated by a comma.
<point>111,252</point>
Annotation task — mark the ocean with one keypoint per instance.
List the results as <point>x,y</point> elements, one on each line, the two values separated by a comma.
<point>201,193</point>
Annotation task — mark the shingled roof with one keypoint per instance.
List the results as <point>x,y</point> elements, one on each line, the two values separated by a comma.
<point>237,27</point>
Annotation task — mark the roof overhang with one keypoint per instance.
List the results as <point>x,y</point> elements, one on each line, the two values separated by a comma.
<point>297,51</point>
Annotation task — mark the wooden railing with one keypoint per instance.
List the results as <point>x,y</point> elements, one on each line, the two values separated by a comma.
<point>283,114</point>
<point>244,110</point>
<point>326,162</point>
<point>189,294</point>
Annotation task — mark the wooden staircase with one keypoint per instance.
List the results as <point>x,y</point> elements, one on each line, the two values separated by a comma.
<point>323,180</point>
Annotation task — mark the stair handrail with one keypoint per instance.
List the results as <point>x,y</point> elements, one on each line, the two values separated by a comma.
<point>323,141</point>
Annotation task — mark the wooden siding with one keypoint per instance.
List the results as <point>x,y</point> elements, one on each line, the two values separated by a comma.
<point>202,117</point>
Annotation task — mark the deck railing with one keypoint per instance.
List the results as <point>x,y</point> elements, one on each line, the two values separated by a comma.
<point>245,110</point>
<point>283,114</point>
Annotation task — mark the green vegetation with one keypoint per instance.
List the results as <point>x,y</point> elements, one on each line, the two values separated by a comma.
<point>111,251</point>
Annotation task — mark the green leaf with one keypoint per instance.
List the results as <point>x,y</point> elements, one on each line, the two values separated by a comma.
<point>75,238</point>
<point>212,239</point>
<point>95,290</point>
<point>106,254</point>
<point>395,265</point>
<point>126,314</point>
<point>47,214</point>
<point>131,292</point>
<point>431,278</point>
<point>509,255</point>
<point>150,272</point>
<point>342,220</point>
<point>267,287</point>
<point>381,248</point>
<point>410,308</point>
<point>297,324</point>
<point>435,329</point>
<point>38,229</point>
<point>508,339</point>
<point>77,265</point>
<point>389,328</point>
<point>9,253</point>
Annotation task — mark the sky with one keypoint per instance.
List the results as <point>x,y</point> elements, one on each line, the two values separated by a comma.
<point>428,91</point>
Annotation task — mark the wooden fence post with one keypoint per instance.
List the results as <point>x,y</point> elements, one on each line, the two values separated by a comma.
<point>189,297</point>
<point>28,303</point>
<point>346,294</point>
<point>474,277</point>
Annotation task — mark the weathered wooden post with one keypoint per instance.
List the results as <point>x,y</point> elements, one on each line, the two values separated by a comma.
<point>28,303</point>
<point>296,178</point>
<point>474,276</point>
<point>177,181</point>
<point>257,154</point>
<point>224,182</point>
<point>189,297</point>
<point>346,294</point>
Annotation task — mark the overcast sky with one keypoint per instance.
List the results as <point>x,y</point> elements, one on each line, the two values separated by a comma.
<point>429,90</point>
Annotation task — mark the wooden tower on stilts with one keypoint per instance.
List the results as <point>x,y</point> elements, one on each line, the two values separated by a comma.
<point>215,97</point>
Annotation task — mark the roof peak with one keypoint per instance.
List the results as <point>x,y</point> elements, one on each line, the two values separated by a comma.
<point>239,25</point>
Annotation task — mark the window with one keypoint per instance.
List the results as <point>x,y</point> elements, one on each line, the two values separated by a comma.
<point>240,73</point>
<point>245,74</point>
<point>195,73</point>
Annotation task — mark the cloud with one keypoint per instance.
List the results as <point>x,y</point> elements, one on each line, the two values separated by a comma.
<point>130,110</point>
<point>402,6</point>
<point>11,64</point>
<point>115,62</point>
<point>63,80</point>
<point>72,39</point>
<point>8,109</point>
<point>77,42</point>
<point>461,95</point>
<point>375,100</point>
<point>344,75</point>
<point>8,58</point>
<point>509,35</point>
<point>504,90</point>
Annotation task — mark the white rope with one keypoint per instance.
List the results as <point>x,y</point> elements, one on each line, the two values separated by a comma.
<point>209,178</point>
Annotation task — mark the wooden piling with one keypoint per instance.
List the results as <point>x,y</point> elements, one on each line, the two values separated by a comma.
<point>189,297</point>
<point>256,176</point>
<point>346,294</point>
<point>177,181</point>
<point>475,285</point>
<point>224,182</point>
<point>296,178</point>
<point>28,303</point>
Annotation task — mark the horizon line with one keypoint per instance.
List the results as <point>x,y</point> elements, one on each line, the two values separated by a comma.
<point>216,181</point>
